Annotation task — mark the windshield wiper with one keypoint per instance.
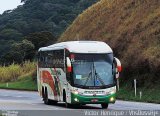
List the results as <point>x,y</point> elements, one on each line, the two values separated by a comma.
<point>99,78</point>
<point>89,76</point>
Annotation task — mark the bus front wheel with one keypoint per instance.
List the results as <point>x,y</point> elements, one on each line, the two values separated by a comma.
<point>68,105</point>
<point>104,106</point>
<point>65,100</point>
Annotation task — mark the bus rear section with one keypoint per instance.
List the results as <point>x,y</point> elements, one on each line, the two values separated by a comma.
<point>78,73</point>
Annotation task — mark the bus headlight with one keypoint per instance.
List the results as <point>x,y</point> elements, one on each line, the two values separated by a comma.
<point>76,100</point>
<point>112,99</point>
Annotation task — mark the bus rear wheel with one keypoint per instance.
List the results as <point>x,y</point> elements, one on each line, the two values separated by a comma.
<point>104,106</point>
<point>48,101</point>
<point>43,94</point>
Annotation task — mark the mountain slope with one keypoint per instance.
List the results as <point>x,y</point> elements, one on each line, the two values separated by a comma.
<point>130,27</point>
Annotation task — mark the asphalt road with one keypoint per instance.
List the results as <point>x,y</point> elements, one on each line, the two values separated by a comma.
<point>24,100</point>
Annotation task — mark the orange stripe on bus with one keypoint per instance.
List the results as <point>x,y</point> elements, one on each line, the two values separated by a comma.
<point>47,78</point>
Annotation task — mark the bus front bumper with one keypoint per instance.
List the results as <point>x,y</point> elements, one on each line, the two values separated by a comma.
<point>81,99</point>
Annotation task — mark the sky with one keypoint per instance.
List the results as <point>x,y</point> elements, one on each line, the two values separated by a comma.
<point>8,5</point>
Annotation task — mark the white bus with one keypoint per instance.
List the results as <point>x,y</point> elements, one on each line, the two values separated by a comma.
<point>78,73</point>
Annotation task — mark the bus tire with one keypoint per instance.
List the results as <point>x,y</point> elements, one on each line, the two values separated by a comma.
<point>64,96</point>
<point>68,105</point>
<point>53,102</point>
<point>76,105</point>
<point>65,99</point>
<point>43,94</point>
<point>104,105</point>
<point>46,100</point>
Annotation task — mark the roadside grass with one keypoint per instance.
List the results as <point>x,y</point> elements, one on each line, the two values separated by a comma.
<point>150,95</point>
<point>25,83</point>
<point>20,77</point>
<point>15,71</point>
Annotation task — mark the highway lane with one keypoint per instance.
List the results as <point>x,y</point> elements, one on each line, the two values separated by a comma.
<point>24,100</point>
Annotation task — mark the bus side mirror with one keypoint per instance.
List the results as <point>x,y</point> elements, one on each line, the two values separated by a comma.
<point>69,67</point>
<point>118,67</point>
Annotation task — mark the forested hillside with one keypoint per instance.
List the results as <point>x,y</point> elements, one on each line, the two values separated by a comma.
<point>51,17</point>
<point>131,28</point>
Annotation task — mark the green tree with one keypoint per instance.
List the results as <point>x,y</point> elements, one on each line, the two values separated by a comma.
<point>10,57</point>
<point>19,52</point>
<point>24,47</point>
<point>41,39</point>
<point>10,34</point>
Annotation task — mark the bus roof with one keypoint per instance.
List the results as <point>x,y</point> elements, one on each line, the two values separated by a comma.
<point>80,47</point>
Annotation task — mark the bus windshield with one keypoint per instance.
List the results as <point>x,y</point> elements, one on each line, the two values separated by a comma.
<point>93,70</point>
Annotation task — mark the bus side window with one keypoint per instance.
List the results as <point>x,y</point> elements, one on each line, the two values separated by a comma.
<point>40,59</point>
<point>50,55</point>
<point>43,59</point>
<point>53,59</point>
<point>58,57</point>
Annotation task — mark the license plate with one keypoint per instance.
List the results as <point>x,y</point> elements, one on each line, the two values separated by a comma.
<point>94,100</point>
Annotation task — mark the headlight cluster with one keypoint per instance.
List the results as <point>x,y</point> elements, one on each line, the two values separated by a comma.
<point>75,92</point>
<point>112,91</point>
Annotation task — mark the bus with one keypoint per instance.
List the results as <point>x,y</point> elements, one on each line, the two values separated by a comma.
<point>78,73</point>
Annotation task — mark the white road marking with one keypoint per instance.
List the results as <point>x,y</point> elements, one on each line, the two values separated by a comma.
<point>19,96</point>
<point>4,95</point>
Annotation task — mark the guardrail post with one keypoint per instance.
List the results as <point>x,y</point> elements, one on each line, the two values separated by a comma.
<point>7,85</point>
<point>135,87</point>
<point>140,94</point>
